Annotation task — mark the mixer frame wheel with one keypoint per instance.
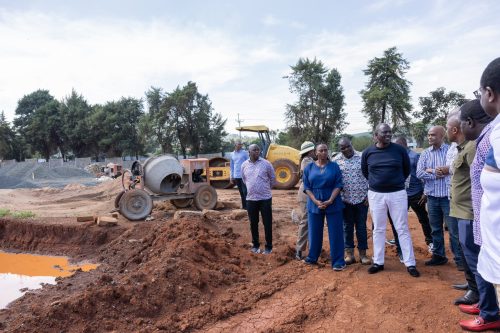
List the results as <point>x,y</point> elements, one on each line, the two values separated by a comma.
<point>205,197</point>
<point>136,204</point>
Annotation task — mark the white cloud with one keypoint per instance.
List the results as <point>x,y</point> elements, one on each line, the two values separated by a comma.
<point>105,60</point>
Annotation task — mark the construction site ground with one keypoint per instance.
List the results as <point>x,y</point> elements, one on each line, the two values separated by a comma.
<point>196,273</point>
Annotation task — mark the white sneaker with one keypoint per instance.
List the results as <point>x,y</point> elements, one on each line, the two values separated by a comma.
<point>430,247</point>
<point>255,250</point>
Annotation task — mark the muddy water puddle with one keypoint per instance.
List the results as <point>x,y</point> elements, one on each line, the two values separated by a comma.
<point>23,271</point>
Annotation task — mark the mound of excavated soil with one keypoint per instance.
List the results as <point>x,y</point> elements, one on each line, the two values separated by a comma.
<point>155,271</point>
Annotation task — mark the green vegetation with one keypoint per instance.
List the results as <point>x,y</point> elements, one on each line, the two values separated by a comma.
<point>386,97</point>
<point>318,114</point>
<point>4,212</point>
<point>23,214</point>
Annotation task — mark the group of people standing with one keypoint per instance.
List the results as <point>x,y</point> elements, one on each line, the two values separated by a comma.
<point>459,184</point>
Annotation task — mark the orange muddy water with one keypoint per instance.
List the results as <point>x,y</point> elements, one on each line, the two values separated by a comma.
<point>20,272</point>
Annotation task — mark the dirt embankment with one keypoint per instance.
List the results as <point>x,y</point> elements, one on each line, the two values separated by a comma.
<point>197,275</point>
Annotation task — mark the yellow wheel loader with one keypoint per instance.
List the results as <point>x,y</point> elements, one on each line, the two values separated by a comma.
<point>284,159</point>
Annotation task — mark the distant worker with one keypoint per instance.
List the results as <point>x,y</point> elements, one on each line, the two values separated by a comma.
<point>386,165</point>
<point>306,157</point>
<point>238,156</point>
<point>322,184</point>
<point>355,197</point>
<point>258,176</point>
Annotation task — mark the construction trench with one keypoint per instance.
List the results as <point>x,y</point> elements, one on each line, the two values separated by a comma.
<point>193,272</point>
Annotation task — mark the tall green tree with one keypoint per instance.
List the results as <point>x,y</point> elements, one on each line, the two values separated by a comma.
<point>386,97</point>
<point>190,116</point>
<point>75,112</point>
<point>318,114</point>
<point>436,107</point>
<point>115,128</point>
<point>158,124</point>
<point>38,120</point>
<point>7,138</point>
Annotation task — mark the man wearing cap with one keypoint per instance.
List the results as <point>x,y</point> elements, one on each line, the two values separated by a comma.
<point>306,157</point>
<point>237,158</point>
<point>355,198</point>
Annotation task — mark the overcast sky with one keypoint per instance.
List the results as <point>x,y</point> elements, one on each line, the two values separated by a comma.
<point>237,51</point>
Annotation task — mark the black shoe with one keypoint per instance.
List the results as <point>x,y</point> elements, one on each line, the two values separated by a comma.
<point>298,255</point>
<point>436,260</point>
<point>469,298</point>
<point>375,268</point>
<point>412,270</point>
<point>464,286</point>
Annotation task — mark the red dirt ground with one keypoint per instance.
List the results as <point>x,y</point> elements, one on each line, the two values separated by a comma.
<point>196,274</point>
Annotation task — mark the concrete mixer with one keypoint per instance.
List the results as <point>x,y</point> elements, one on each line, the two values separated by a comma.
<point>165,178</point>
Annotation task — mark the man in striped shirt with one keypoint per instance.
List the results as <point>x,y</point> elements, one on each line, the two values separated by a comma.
<point>436,190</point>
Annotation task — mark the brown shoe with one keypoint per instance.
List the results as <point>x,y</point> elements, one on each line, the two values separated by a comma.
<point>349,256</point>
<point>364,258</point>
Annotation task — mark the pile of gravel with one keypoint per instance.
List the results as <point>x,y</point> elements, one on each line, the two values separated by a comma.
<point>11,183</point>
<point>34,175</point>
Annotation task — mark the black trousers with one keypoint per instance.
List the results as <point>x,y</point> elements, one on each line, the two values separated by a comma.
<point>242,188</point>
<point>265,208</point>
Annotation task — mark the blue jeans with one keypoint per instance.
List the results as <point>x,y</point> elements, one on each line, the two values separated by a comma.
<point>355,217</point>
<point>488,306</point>
<point>316,224</point>
<point>439,212</point>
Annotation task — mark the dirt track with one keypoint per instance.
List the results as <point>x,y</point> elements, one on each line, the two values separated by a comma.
<point>197,275</point>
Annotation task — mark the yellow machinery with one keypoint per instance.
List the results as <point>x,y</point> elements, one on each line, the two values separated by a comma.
<point>284,159</point>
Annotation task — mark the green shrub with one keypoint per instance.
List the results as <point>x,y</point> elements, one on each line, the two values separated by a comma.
<point>23,214</point>
<point>4,212</point>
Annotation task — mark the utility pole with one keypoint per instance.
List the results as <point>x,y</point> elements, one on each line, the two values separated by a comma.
<point>239,121</point>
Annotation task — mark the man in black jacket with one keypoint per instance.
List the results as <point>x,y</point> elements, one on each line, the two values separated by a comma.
<point>386,166</point>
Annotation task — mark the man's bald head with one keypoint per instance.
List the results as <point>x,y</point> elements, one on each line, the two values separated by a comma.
<point>436,136</point>
<point>453,129</point>
<point>383,135</point>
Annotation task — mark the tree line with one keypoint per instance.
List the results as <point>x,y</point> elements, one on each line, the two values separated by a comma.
<point>183,120</point>
<point>318,114</point>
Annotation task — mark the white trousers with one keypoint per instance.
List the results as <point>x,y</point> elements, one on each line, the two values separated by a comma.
<point>397,205</point>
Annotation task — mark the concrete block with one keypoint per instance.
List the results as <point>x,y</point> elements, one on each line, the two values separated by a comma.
<point>106,221</point>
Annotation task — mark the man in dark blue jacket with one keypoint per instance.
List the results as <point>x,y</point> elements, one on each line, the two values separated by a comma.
<point>386,165</point>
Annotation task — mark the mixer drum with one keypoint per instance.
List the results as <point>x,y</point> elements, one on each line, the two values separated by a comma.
<point>162,174</point>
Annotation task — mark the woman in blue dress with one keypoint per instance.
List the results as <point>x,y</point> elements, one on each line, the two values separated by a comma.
<point>322,183</point>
